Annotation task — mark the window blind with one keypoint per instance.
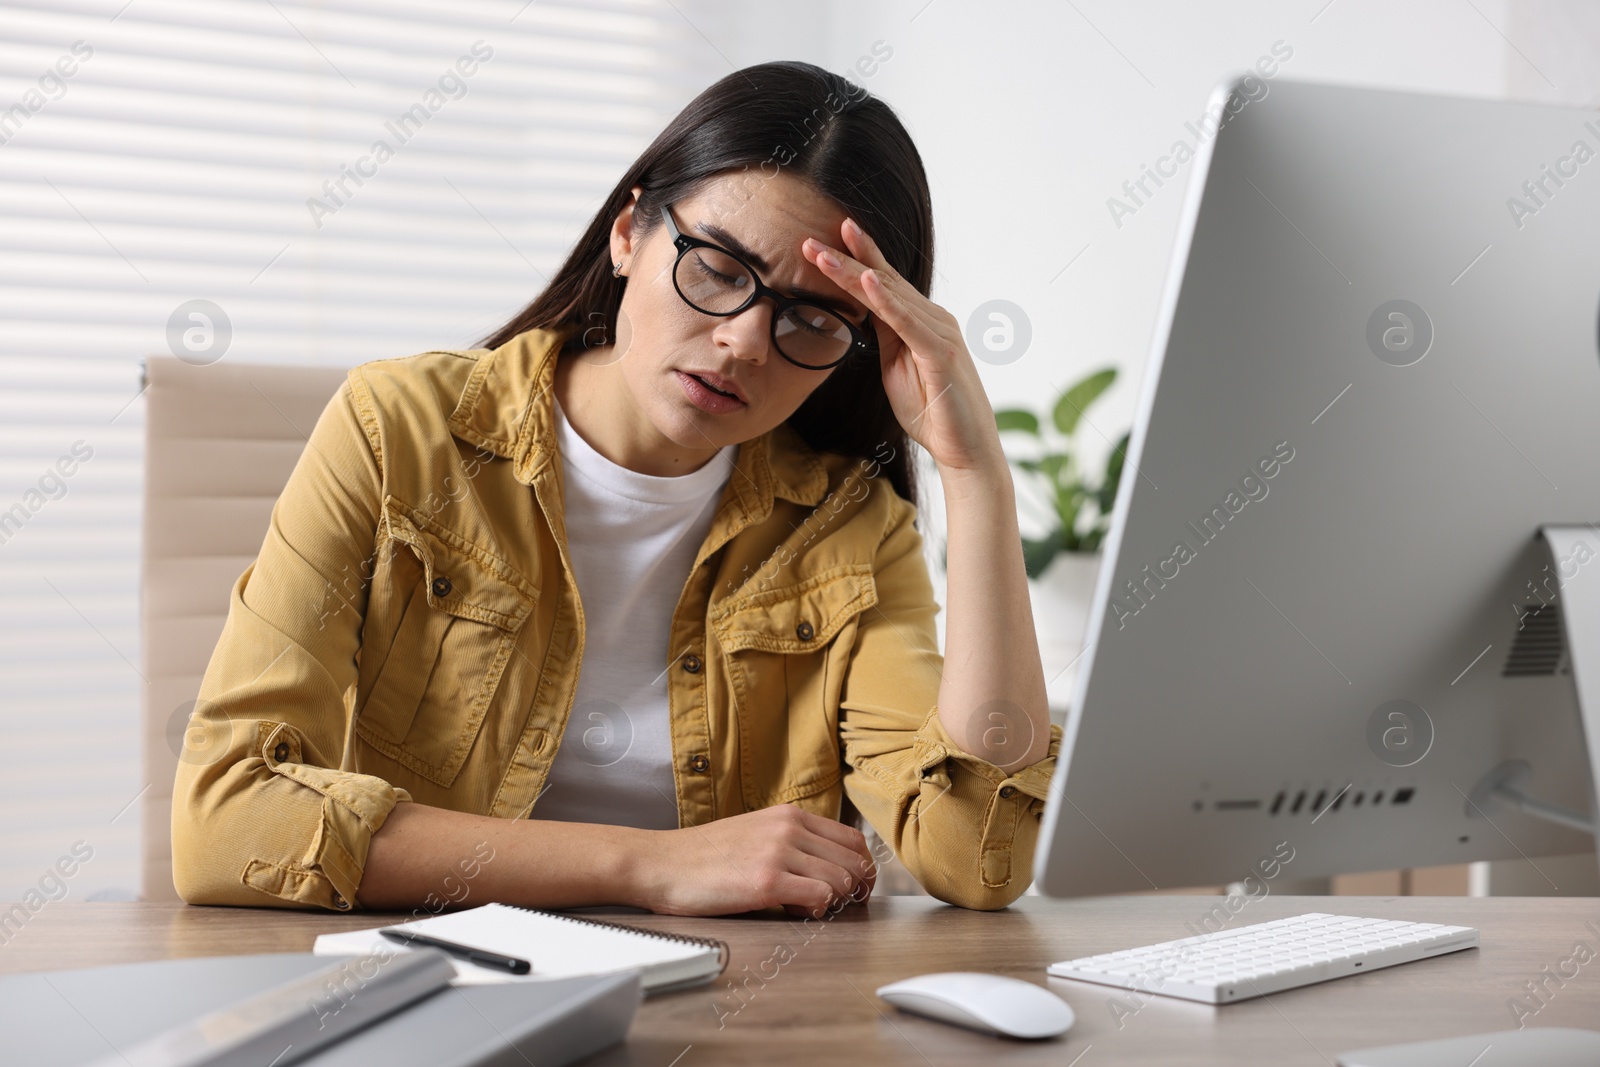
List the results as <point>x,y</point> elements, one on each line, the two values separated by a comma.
<point>158,154</point>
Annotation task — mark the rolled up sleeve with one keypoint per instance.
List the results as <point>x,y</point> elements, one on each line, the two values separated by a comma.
<point>262,814</point>
<point>964,827</point>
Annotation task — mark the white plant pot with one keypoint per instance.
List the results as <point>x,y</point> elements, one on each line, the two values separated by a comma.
<point>1061,599</point>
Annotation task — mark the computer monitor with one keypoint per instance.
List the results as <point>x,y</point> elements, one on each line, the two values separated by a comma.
<point>1327,634</point>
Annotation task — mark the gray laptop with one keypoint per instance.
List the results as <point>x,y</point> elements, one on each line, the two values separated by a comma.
<point>77,1017</point>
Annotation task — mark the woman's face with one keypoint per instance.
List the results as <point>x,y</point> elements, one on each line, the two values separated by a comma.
<point>660,339</point>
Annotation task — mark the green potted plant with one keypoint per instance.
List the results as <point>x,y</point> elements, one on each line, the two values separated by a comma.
<point>1075,505</point>
<point>1078,506</point>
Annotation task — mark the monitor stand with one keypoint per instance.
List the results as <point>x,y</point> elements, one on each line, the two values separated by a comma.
<point>1576,566</point>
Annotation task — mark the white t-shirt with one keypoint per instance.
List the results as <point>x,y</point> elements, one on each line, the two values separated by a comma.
<point>633,538</point>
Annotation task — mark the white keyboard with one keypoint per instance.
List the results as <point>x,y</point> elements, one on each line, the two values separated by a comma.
<point>1268,957</point>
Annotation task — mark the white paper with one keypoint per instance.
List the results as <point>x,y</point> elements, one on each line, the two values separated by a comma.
<point>554,946</point>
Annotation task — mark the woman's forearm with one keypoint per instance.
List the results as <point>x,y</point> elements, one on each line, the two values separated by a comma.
<point>422,856</point>
<point>992,697</point>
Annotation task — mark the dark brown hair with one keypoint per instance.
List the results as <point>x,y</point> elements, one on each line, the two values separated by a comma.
<point>773,117</point>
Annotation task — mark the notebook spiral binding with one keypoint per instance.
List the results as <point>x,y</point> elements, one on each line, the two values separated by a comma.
<point>724,953</point>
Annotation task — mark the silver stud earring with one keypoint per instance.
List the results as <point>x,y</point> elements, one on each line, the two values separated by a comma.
<point>616,269</point>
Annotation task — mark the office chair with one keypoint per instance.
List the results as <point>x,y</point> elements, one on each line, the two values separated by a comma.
<point>220,443</point>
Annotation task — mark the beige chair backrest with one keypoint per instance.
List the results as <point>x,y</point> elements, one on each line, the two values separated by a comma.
<point>220,443</point>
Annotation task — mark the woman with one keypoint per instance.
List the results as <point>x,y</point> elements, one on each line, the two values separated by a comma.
<point>702,423</point>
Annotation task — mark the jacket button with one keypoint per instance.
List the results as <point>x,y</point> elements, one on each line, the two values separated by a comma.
<point>441,587</point>
<point>804,631</point>
<point>281,753</point>
<point>699,764</point>
<point>1007,792</point>
<point>691,663</point>
<point>341,903</point>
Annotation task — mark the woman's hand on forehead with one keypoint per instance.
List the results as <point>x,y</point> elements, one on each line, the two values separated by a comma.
<point>930,377</point>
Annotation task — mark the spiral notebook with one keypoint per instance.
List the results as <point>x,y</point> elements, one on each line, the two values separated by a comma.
<point>557,945</point>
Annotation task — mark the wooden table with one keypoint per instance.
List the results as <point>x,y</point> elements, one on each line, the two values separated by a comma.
<point>804,995</point>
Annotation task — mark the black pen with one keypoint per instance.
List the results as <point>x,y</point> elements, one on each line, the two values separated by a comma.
<point>466,952</point>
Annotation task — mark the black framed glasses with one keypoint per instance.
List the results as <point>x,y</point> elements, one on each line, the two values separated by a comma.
<point>714,281</point>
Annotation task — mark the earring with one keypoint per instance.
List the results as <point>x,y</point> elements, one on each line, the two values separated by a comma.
<point>616,269</point>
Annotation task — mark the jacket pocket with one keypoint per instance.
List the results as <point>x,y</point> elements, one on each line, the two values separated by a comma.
<point>786,652</point>
<point>459,613</point>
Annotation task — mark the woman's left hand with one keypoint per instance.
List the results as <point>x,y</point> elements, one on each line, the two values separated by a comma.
<point>932,383</point>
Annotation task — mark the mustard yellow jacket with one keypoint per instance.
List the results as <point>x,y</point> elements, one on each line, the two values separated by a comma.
<point>411,630</point>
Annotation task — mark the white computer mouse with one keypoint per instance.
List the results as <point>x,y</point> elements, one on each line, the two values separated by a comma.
<point>989,1002</point>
